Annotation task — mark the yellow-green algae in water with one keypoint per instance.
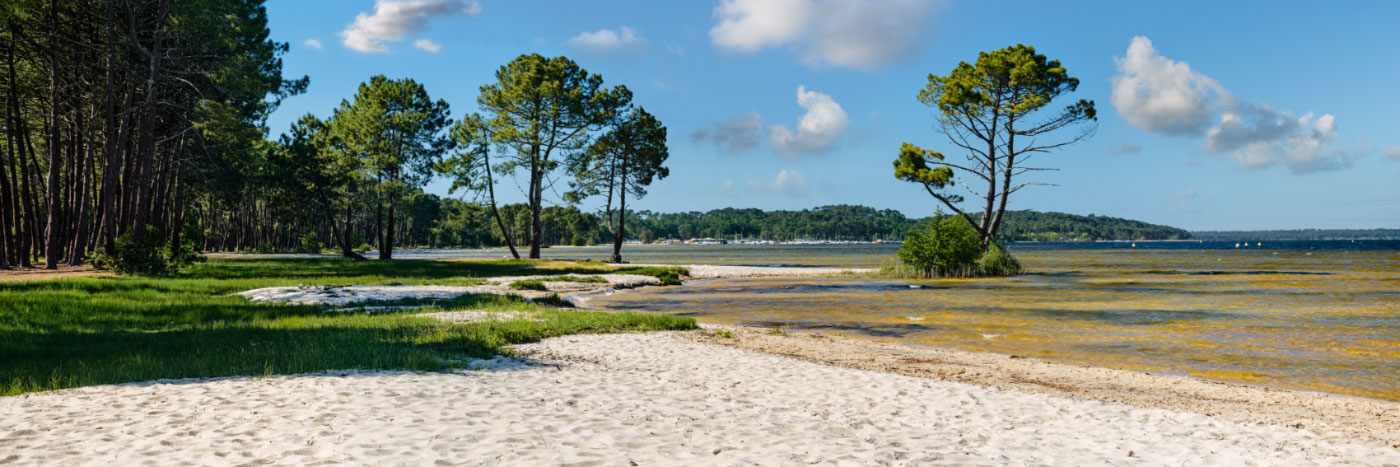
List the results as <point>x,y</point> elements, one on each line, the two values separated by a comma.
<point>1324,321</point>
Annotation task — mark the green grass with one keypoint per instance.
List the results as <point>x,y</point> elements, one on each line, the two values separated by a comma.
<point>76,332</point>
<point>529,284</point>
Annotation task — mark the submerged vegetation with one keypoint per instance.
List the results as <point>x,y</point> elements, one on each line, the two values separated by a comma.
<point>76,332</point>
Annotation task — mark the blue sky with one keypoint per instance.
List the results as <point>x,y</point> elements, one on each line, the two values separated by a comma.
<point>1212,115</point>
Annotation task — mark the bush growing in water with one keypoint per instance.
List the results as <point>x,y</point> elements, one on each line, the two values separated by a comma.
<point>947,246</point>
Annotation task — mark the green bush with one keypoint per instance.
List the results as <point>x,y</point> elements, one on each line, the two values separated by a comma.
<point>363,248</point>
<point>186,252</point>
<point>948,246</point>
<point>131,257</point>
<point>996,261</point>
<point>944,246</point>
<point>311,243</point>
<point>264,248</point>
<point>579,240</point>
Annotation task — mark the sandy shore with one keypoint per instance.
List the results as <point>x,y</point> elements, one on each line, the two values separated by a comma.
<point>646,399</point>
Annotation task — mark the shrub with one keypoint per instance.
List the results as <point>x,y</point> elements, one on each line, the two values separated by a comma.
<point>949,246</point>
<point>264,248</point>
<point>945,246</point>
<point>363,248</point>
<point>578,240</point>
<point>131,257</point>
<point>996,261</point>
<point>186,252</point>
<point>311,243</point>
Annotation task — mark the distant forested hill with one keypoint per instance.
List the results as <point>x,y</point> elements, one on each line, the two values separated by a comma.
<point>846,222</point>
<point>1058,226</point>
<point>1300,234</point>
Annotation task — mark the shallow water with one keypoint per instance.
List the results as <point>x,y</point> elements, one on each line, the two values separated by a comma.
<point>1321,319</point>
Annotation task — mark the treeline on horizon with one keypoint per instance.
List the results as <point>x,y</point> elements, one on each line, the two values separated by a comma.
<point>1297,235</point>
<point>446,222</point>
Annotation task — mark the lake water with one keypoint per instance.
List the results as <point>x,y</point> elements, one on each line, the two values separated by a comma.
<point>1319,316</point>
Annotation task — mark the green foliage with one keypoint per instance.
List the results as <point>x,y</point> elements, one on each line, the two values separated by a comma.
<point>145,257</point>
<point>64,333</point>
<point>185,252</point>
<point>579,240</point>
<point>996,261</point>
<point>311,243</point>
<point>538,107</point>
<point>670,277</point>
<point>265,248</point>
<point>529,284</point>
<point>553,300</point>
<point>363,248</point>
<point>990,110</point>
<point>945,246</point>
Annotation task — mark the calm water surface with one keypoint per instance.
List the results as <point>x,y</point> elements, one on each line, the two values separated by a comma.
<point>1320,316</point>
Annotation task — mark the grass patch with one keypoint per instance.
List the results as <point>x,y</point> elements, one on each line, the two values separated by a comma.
<point>530,284</point>
<point>64,333</point>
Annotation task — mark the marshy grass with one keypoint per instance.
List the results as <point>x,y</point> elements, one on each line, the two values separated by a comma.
<point>65,333</point>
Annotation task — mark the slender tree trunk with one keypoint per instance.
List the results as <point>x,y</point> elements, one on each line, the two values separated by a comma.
<point>388,251</point>
<point>345,248</point>
<point>491,195</point>
<point>146,145</point>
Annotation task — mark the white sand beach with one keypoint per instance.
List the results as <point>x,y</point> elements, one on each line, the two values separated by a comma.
<point>632,399</point>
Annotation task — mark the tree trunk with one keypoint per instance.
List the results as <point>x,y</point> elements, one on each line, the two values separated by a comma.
<point>491,195</point>
<point>387,250</point>
<point>345,248</point>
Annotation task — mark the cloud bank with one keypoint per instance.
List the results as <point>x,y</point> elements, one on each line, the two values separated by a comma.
<point>817,130</point>
<point>863,34</point>
<point>1164,96</point>
<point>394,19</point>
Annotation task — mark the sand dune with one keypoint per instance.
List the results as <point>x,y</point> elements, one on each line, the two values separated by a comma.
<point>648,399</point>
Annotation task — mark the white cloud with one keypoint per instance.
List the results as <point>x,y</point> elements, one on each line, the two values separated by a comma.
<point>393,19</point>
<point>1160,95</point>
<point>860,34</point>
<point>1392,152</point>
<point>749,25</point>
<point>725,187</point>
<point>788,182</point>
<point>817,130</point>
<point>428,45</point>
<point>313,44</point>
<point>1274,138</point>
<point>1163,96</point>
<point>735,135</point>
<point>607,41</point>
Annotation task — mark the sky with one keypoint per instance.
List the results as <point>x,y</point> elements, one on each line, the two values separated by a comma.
<point>1211,115</point>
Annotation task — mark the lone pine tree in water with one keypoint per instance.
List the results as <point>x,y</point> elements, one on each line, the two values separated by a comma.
<point>621,163</point>
<point>989,110</point>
